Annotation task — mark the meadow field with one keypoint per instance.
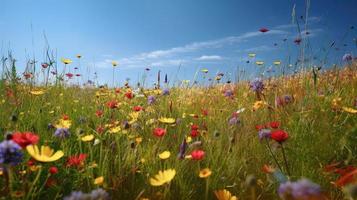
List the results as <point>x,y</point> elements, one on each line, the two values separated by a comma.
<point>283,137</point>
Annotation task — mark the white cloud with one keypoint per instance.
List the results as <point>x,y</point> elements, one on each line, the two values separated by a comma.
<point>209,58</point>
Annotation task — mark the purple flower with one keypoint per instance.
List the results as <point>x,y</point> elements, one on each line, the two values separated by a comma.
<point>347,57</point>
<point>97,194</point>
<point>165,91</point>
<point>234,121</point>
<point>264,133</point>
<point>151,99</point>
<point>228,93</point>
<point>257,85</point>
<point>183,147</point>
<point>10,153</point>
<point>62,133</point>
<point>302,189</point>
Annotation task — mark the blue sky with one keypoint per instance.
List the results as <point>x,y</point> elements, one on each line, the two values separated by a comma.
<point>166,34</point>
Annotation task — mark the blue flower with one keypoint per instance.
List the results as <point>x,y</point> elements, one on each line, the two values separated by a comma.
<point>97,194</point>
<point>302,189</point>
<point>257,85</point>
<point>347,57</point>
<point>10,153</point>
<point>264,133</point>
<point>151,99</point>
<point>165,91</point>
<point>234,121</point>
<point>228,93</point>
<point>62,132</point>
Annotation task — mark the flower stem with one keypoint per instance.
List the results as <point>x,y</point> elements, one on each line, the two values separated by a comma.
<point>206,192</point>
<point>272,155</point>
<point>285,160</point>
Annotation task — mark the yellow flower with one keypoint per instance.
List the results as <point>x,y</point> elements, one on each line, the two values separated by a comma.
<point>87,138</point>
<point>349,110</point>
<point>66,61</point>
<point>278,62</point>
<point>115,129</point>
<point>205,173</point>
<point>258,104</point>
<point>114,63</point>
<point>252,55</point>
<point>64,123</point>
<point>188,139</point>
<point>99,180</point>
<point>164,155</point>
<point>259,63</point>
<point>45,155</point>
<point>138,140</point>
<point>204,70</point>
<point>224,195</point>
<point>163,177</point>
<point>37,92</point>
<point>167,120</point>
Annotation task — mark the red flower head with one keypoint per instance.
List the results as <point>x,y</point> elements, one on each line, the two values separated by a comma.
<point>100,129</point>
<point>194,127</point>
<point>69,75</point>
<point>279,135</point>
<point>44,65</point>
<point>24,139</point>
<point>137,108</point>
<point>159,132</point>
<point>259,127</point>
<point>99,113</point>
<point>274,124</point>
<point>78,75</point>
<point>197,154</point>
<point>194,133</point>
<point>112,104</point>
<point>76,161</point>
<point>53,170</point>
<point>65,117</point>
<point>263,30</point>
<point>204,112</point>
<point>129,95</point>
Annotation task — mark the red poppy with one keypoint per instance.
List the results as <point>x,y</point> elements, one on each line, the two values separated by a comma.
<point>274,124</point>
<point>263,30</point>
<point>24,139</point>
<point>100,129</point>
<point>279,135</point>
<point>99,113</point>
<point>44,65</point>
<point>260,127</point>
<point>112,104</point>
<point>31,162</point>
<point>197,154</point>
<point>194,133</point>
<point>65,117</point>
<point>204,112</point>
<point>347,178</point>
<point>28,75</point>
<point>69,75</point>
<point>194,127</point>
<point>76,161</point>
<point>117,90</point>
<point>137,108</point>
<point>159,132</point>
<point>53,170</point>
<point>129,95</point>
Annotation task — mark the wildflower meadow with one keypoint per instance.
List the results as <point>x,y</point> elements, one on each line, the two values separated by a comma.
<point>288,132</point>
